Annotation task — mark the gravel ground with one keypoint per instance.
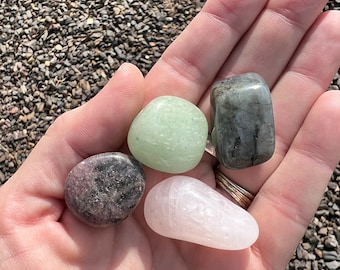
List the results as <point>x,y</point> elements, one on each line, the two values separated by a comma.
<point>56,55</point>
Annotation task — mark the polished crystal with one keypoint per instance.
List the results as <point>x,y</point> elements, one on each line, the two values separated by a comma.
<point>104,189</point>
<point>243,124</point>
<point>185,208</point>
<point>169,135</point>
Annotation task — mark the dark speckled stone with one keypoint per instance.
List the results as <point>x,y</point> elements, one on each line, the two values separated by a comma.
<point>104,189</point>
<point>242,115</point>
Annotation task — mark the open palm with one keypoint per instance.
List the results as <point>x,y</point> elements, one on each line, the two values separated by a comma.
<point>293,46</point>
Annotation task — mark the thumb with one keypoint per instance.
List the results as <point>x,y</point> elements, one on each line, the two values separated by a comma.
<point>99,125</point>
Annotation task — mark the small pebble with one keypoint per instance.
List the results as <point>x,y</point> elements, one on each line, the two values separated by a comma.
<point>330,255</point>
<point>333,186</point>
<point>333,265</point>
<point>331,242</point>
<point>323,231</point>
<point>318,252</point>
<point>104,189</point>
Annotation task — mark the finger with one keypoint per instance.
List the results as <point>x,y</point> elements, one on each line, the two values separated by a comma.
<point>307,76</point>
<point>104,121</point>
<point>98,126</point>
<point>192,61</point>
<point>285,205</point>
<point>270,43</point>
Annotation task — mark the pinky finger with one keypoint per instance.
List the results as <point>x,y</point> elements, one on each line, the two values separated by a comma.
<point>287,201</point>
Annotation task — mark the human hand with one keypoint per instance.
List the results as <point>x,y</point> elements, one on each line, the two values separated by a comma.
<point>297,63</point>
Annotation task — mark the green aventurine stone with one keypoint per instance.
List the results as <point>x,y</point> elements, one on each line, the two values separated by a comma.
<point>169,135</point>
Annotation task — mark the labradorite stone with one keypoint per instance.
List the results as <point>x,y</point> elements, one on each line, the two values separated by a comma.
<point>242,115</point>
<point>169,135</point>
<point>104,189</point>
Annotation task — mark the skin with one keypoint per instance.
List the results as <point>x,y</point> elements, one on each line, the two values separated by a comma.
<point>293,46</point>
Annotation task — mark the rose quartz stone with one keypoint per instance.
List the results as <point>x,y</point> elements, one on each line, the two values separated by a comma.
<point>185,208</point>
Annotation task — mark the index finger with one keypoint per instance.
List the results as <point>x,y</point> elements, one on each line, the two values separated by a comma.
<point>191,62</point>
<point>98,126</point>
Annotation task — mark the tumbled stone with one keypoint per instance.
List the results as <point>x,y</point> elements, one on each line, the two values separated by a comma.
<point>104,189</point>
<point>169,135</point>
<point>242,116</point>
<point>185,208</point>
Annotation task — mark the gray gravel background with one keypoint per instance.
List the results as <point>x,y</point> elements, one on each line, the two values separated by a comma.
<point>56,55</point>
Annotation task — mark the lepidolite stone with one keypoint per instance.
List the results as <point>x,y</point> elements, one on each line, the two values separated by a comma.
<point>104,189</point>
<point>185,208</point>
<point>169,135</point>
<point>242,115</point>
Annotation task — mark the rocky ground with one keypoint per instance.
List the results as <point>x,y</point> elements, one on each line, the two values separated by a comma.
<point>55,55</point>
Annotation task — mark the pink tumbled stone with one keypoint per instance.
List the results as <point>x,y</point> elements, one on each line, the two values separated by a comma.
<point>185,208</point>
